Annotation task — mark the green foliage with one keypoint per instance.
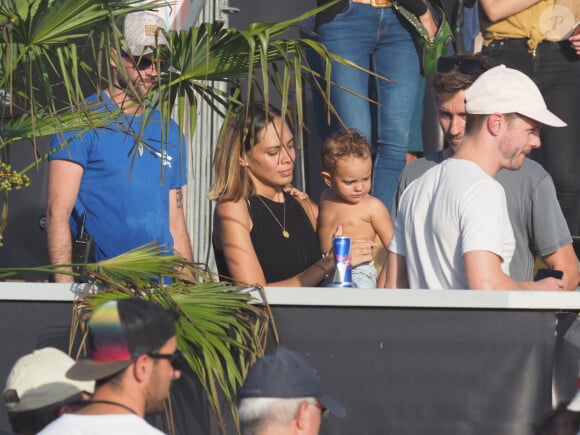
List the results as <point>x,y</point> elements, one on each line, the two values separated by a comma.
<point>221,328</point>
<point>53,53</point>
<point>11,179</point>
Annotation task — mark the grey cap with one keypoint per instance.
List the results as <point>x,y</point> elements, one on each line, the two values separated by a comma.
<point>142,32</point>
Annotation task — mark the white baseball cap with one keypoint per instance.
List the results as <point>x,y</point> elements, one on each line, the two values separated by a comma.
<point>38,379</point>
<point>142,32</point>
<point>506,90</point>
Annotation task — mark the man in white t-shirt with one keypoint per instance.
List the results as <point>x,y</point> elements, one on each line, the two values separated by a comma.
<point>452,229</point>
<point>133,357</point>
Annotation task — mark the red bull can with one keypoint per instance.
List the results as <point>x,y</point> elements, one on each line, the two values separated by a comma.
<point>343,261</point>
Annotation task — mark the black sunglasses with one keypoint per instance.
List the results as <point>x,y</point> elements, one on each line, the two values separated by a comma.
<point>176,359</point>
<point>469,66</point>
<point>143,63</point>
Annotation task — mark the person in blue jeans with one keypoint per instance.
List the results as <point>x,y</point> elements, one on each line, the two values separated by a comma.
<point>376,38</point>
<point>515,34</point>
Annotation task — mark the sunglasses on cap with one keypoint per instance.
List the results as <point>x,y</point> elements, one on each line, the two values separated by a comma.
<point>143,63</point>
<point>176,359</point>
<point>469,66</point>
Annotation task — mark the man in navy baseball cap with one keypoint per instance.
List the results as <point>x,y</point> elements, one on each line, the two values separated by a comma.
<point>282,394</point>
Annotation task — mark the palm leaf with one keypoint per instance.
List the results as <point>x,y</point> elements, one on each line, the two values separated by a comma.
<point>220,330</point>
<point>201,56</point>
<point>46,45</point>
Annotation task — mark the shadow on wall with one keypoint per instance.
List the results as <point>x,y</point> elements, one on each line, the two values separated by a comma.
<point>24,240</point>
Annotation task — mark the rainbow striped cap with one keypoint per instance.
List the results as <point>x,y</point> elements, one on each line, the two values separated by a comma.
<point>119,332</point>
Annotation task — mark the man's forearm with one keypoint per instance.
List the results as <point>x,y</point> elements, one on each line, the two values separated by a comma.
<point>397,277</point>
<point>178,225</point>
<point>182,245</point>
<point>483,272</point>
<point>59,242</point>
<point>564,259</point>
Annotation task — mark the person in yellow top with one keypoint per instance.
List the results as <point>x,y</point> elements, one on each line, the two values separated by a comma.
<point>541,38</point>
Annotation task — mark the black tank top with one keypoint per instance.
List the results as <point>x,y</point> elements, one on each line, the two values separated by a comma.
<point>280,257</point>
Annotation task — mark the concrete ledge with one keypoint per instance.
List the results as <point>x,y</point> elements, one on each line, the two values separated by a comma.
<point>305,296</point>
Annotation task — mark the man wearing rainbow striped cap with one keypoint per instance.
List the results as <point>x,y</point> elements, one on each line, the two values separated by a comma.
<point>133,357</point>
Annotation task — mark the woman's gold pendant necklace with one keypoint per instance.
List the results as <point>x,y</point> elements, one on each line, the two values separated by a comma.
<point>285,233</point>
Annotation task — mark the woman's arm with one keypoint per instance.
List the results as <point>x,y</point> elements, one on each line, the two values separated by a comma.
<point>499,9</point>
<point>232,225</point>
<point>422,9</point>
<point>429,23</point>
<point>232,228</point>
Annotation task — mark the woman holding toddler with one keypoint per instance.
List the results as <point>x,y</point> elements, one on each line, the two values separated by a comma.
<point>262,234</point>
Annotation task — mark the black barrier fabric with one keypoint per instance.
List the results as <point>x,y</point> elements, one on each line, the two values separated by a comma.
<point>25,326</point>
<point>428,371</point>
<point>566,356</point>
<point>398,371</point>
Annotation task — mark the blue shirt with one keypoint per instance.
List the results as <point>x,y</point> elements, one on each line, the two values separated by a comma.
<point>126,182</point>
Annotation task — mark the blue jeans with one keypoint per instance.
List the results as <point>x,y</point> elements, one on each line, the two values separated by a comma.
<point>363,276</point>
<point>375,39</point>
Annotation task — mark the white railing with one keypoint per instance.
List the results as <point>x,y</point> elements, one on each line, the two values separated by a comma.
<point>345,297</point>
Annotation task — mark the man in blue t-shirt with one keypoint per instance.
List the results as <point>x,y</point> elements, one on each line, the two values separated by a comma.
<point>127,179</point>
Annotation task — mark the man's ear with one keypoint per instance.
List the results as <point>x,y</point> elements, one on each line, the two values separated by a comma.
<point>303,417</point>
<point>495,122</point>
<point>326,177</point>
<point>141,368</point>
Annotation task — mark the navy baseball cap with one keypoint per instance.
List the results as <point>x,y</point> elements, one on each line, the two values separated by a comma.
<point>286,374</point>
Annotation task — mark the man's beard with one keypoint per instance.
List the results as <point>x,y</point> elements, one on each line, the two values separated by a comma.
<point>153,403</point>
<point>132,89</point>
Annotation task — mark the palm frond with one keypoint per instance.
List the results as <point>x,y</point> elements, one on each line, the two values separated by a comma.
<point>259,55</point>
<point>55,52</point>
<point>43,47</point>
<point>220,330</point>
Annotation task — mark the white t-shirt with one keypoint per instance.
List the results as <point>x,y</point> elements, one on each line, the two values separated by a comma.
<point>454,208</point>
<point>108,424</point>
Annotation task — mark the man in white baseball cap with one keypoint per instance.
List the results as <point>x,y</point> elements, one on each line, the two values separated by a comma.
<point>98,179</point>
<point>143,32</point>
<point>452,229</point>
<point>507,90</point>
<point>38,392</point>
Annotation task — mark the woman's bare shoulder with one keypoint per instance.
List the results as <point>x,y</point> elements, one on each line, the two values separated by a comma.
<point>228,207</point>
<point>231,220</point>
